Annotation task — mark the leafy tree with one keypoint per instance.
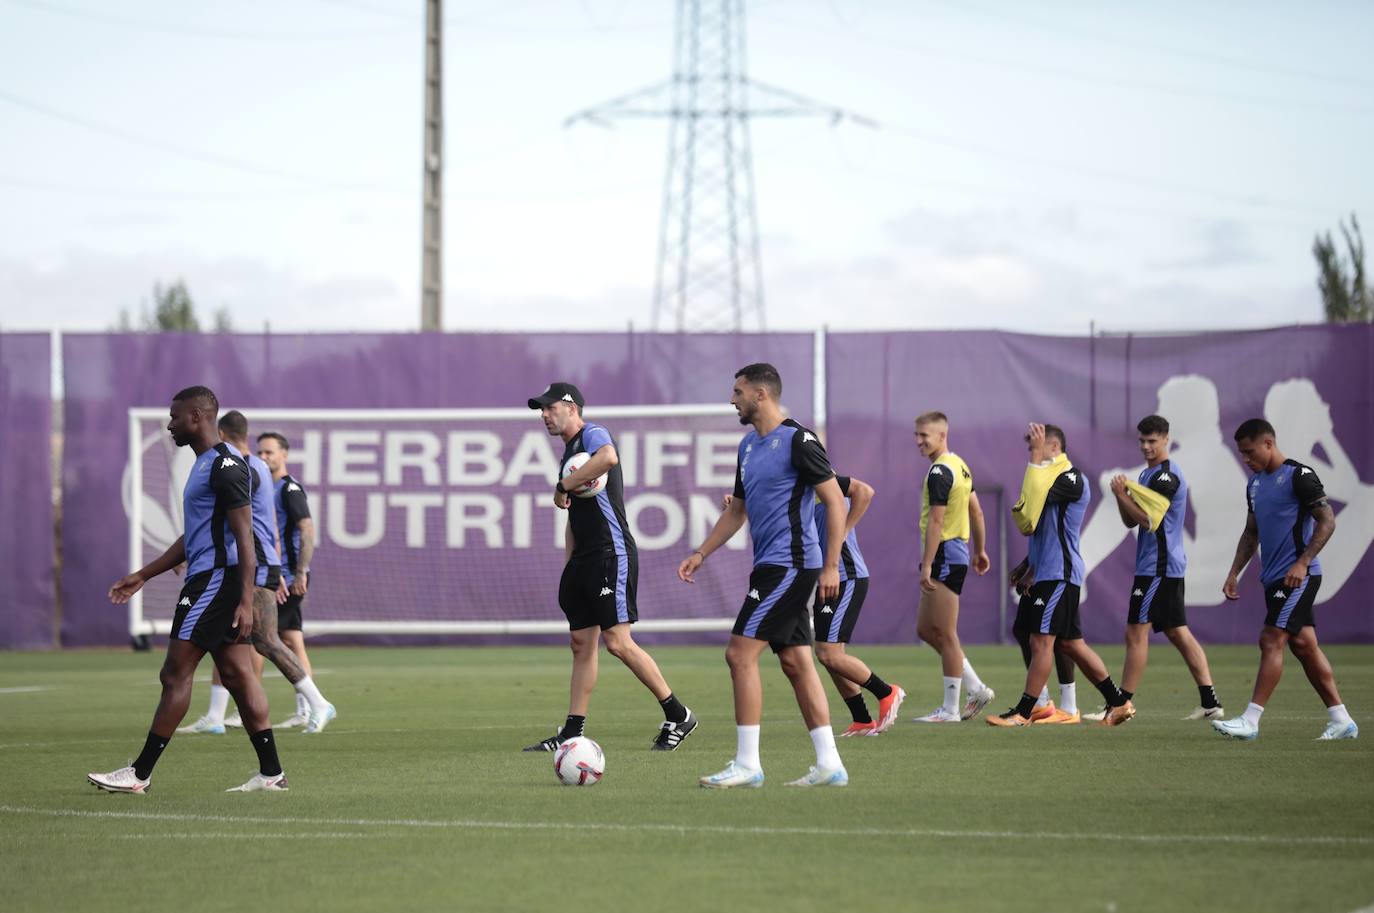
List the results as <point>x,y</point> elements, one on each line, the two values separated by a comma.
<point>173,309</point>
<point>1345,296</point>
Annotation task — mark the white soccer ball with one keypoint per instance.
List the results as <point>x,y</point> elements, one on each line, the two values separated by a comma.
<point>579,762</point>
<point>590,489</point>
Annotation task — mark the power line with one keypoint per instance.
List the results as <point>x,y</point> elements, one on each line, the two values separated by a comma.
<point>147,25</point>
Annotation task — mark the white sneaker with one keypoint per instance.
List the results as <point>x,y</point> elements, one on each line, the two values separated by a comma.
<point>321,718</point>
<point>977,700</point>
<point>1206,713</point>
<point>123,780</point>
<point>823,776</point>
<point>233,721</point>
<point>294,720</point>
<point>275,784</point>
<point>204,724</point>
<point>1098,716</point>
<point>1238,728</point>
<point>939,715</point>
<point>1336,732</point>
<point>733,776</point>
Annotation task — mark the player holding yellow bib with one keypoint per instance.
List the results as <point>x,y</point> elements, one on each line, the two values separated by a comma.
<point>950,513</point>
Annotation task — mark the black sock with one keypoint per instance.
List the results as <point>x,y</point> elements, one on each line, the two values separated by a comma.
<point>1026,706</point>
<point>1110,692</point>
<point>876,686</point>
<point>1127,694</point>
<point>1209,696</point>
<point>573,727</point>
<point>858,709</point>
<point>673,711</point>
<point>266,747</point>
<point>152,750</point>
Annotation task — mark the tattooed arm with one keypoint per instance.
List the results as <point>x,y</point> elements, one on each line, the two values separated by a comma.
<point>1245,550</point>
<point>1321,534</point>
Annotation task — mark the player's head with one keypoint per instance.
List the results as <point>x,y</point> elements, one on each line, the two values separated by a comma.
<point>560,406</point>
<point>1154,437</point>
<point>1055,441</point>
<point>932,433</point>
<point>755,385</point>
<point>1299,414</point>
<point>272,450</point>
<point>1257,443</point>
<point>193,412</point>
<point>233,428</point>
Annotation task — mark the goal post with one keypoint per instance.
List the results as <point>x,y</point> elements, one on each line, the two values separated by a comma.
<point>441,521</point>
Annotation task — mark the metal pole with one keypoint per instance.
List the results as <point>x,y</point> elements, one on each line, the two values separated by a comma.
<point>432,236</point>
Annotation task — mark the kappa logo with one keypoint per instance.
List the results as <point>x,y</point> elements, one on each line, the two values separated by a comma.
<point>1280,594</point>
<point>1163,477</point>
<point>808,436</point>
<point>185,600</point>
<point>754,594</point>
<point>1305,471</point>
<point>1071,476</point>
<point>1138,592</point>
<point>826,610</point>
<point>227,462</point>
<point>567,398</point>
<point>1039,602</point>
<point>607,591</point>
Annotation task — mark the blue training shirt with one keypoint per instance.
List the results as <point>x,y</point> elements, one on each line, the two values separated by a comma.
<point>1282,503</point>
<point>1054,548</point>
<point>1160,553</point>
<point>264,516</point>
<point>598,524</point>
<point>776,475</point>
<point>852,566</point>
<point>292,507</point>
<point>219,482</point>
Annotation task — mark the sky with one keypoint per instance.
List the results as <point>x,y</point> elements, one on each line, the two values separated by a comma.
<point>1038,167</point>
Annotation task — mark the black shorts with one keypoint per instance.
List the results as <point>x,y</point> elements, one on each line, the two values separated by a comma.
<point>1049,607</point>
<point>1157,601</point>
<point>1290,608</point>
<point>775,608</point>
<point>599,590</point>
<point>205,609</point>
<point>269,575</point>
<point>951,575</point>
<point>289,613</point>
<point>835,618</point>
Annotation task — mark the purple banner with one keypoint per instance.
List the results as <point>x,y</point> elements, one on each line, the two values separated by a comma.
<point>413,520</point>
<point>1314,384</point>
<point>26,489</point>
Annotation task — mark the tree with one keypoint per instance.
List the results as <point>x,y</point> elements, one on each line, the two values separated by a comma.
<point>173,309</point>
<point>1345,296</point>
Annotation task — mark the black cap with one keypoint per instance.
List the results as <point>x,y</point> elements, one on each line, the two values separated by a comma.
<point>555,392</point>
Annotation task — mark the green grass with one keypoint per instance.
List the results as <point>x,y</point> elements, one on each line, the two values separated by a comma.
<point>417,798</point>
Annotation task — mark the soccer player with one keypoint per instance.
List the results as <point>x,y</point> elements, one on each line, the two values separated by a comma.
<point>296,532</point>
<point>597,592</point>
<point>781,471</point>
<point>1160,561</point>
<point>949,513</point>
<point>1055,497</point>
<point>1289,521</point>
<point>214,613</point>
<point>233,430</point>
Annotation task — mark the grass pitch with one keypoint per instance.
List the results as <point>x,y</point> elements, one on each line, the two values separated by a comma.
<point>418,797</point>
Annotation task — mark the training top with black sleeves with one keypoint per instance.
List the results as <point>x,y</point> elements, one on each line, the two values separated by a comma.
<point>1054,546</point>
<point>292,508</point>
<point>852,566</point>
<point>1282,503</point>
<point>776,475</point>
<point>264,512</point>
<point>219,482</point>
<point>949,484</point>
<point>1161,553</point>
<point>598,524</point>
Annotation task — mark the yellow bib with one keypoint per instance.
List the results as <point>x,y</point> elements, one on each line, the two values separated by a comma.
<point>955,525</point>
<point>1035,488</point>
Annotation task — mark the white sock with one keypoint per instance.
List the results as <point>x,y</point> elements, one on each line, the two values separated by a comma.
<point>971,680</point>
<point>827,756</point>
<point>1068,697</point>
<point>1044,697</point>
<point>1339,714</point>
<point>302,705</point>
<point>1252,714</point>
<point>219,703</point>
<point>951,704</point>
<point>747,747</point>
<point>306,687</point>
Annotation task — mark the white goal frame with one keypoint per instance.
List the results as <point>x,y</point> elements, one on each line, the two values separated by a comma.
<point>141,626</point>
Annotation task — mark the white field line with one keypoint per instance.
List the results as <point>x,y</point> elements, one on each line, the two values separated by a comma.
<point>26,689</point>
<point>199,736</point>
<point>256,835</point>
<point>584,826</point>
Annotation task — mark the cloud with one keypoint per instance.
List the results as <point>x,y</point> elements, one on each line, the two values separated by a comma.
<point>1221,243</point>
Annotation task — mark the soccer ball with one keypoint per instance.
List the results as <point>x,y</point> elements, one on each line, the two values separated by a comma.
<point>592,488</point>
<point>579,762</point>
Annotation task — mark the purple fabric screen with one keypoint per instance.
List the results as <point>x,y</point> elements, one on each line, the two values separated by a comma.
<point>1314,384</point>
<point>26,504</point>
<point>108,374</point>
